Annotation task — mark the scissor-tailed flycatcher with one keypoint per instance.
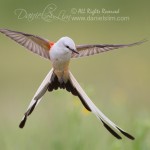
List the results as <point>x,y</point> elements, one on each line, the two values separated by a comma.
<point>59,54</point>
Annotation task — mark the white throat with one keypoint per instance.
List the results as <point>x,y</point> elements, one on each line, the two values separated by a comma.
<point>59,53</point>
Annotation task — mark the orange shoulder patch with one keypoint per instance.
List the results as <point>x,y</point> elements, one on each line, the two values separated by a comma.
<point>51,44</point>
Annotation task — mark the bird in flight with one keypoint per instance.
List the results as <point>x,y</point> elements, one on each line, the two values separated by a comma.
<point>60,54</point>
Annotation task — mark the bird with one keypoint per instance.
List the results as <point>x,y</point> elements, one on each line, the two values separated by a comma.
<point>59,54</point>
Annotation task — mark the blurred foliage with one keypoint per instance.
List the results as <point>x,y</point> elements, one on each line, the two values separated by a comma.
<point>118,81</point>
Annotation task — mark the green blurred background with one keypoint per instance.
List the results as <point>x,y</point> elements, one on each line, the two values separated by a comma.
<point>118,82</point>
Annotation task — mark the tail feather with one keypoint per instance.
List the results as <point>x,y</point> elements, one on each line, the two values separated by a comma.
<point>55,84</point>
<point>108,124</point>
<point>51,83</point>
<point>37,98</point>
<point>111,130</point>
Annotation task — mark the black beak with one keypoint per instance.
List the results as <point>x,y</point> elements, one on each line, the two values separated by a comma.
<point>74,51</point>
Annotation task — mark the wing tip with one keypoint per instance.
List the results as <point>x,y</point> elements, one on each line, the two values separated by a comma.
<point>2,30</point>
<point>140,42</point>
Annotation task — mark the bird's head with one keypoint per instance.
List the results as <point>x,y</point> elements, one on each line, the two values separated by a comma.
<point>67,44</point>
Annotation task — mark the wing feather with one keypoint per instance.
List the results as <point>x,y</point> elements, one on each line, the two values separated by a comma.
<point>87,50</point>
<point>33,43</point>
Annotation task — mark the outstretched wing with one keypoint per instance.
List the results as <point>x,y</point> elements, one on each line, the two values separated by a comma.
<point>33,43</point>
<point>87,50</point>
<point>109,125</point>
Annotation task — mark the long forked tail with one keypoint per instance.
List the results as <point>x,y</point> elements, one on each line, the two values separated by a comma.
<point>51,83</point>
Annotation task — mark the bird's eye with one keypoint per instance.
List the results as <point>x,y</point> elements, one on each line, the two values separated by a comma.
<point>67,46</point>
